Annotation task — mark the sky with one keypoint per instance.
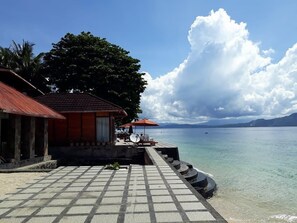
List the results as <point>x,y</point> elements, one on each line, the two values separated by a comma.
<point>203,60</point>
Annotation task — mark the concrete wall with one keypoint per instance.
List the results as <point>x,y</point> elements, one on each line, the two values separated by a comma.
<point>94,155</point>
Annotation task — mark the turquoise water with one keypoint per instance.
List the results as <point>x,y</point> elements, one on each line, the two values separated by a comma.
<point>255,168</point>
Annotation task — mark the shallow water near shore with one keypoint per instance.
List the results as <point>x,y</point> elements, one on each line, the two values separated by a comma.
<point>255,168</point>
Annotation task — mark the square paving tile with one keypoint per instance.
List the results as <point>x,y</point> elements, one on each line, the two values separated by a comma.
<point>3,210</point>
<point>200,216</point>
<point>91,194</point>
<point>178,186</point>
<point>41,219</point>
<point>50,211</point>
<point>21,196</point>
<point>35,203</point>
<point>137,218</point>
<point>114,193</point>
<point>12,220</point>
<point>160,198</point>
<point>95,188</point>
<point>79,184</point>
<point>111,200</point>
<point>157,186</point>
<point>113,183</point>
<point>159,192</point>
<point>182,191</point>
<point>10,203</point>
<point>175,181</point>
<point>108,208</point>
<point>82,201</point>
<point>181,198</point>
<point>73,219</point>
<point>44,195</point>
<point>165,207</point>
<point>69,195</point>
<point>80,210</point>
<point>74,189</point>
<point>136,181</point>
<point>168,217</point>
<point>187,206</point>
<point>106,218</point>
<point>137,187</point>
<point>117,187</point>
<point>98,183</point>
<point>137,193</point>
<point>31,190</point>
<point>137,199</point>
<point>155,181</point>
<point>22,212</point>
<point>137,208</point>
<point>60,202</point>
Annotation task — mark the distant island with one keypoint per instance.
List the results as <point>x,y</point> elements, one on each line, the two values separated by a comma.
<point>290,120</point>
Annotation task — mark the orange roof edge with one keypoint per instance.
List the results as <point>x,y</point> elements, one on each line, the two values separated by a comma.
<point>14,102</point>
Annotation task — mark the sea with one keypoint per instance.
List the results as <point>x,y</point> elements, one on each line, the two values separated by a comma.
<point>255,168</point>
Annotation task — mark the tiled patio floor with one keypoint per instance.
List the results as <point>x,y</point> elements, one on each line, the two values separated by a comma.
<point>137,193</point>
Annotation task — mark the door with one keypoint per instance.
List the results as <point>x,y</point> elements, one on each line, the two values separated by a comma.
<point>102,129</point>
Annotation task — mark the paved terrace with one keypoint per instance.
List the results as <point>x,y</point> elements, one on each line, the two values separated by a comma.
<point>151,193</point>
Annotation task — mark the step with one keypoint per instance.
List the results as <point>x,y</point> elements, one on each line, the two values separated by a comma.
<point>183,169</point>
<point>169,159</point>
<point>165,156</point>
<point>199,181</point>
<point>176,164</point>
<point>210,188</point>
<point>191,174</point>
<point>188,164</point>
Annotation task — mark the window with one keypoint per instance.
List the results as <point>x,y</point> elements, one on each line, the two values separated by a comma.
<point>102,129</point>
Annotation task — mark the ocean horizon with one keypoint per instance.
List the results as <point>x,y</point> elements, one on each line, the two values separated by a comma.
<point>255,168</point>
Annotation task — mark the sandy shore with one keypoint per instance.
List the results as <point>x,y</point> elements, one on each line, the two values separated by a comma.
<point>9,182</point>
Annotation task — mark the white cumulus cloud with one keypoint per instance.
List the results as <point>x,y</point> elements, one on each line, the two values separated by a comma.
<point>226,75</point>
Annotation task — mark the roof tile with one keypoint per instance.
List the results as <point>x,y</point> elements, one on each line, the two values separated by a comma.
<point>78,102</point>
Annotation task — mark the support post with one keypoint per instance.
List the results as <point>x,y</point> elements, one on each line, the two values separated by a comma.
<point>28,127</point>
<point>41,148</point>
<point>14,146</point>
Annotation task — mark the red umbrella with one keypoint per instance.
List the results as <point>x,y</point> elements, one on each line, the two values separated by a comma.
<point>144,122</point>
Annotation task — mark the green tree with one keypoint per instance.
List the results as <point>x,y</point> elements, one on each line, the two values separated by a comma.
<point>21,59</point>
<point>86,63</point>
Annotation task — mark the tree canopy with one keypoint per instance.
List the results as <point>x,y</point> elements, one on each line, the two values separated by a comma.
<point>85,63</point>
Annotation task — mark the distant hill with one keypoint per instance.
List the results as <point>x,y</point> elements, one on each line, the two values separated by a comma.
<point>290,120</point>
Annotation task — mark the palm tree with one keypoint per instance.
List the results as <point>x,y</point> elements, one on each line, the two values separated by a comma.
<point>20,58</point>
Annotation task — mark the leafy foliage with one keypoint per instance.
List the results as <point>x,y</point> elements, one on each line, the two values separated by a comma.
<point>85,63</point>
<point>20,58</point>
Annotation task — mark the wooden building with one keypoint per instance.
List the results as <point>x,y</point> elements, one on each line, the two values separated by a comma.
<point>90,120</point>
<point>23,127</point>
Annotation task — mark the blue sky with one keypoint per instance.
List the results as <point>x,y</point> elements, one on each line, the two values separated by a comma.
<point>154,31</point>
<point>157,33</point>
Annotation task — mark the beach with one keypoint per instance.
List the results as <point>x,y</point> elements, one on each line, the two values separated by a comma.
<point>9,182</point>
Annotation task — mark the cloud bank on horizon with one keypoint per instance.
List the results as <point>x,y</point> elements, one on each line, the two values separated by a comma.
<point>226,75</point>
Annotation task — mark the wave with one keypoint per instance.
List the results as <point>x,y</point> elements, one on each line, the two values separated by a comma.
<point>208,174</point>
<point>285,217</point>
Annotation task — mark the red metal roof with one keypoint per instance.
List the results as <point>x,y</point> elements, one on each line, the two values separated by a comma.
<point>79,102</point>
<point>14,102</point>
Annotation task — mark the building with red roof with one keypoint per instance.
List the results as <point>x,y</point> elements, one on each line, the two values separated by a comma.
<point>23,126</point>
<point>90,120</point>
